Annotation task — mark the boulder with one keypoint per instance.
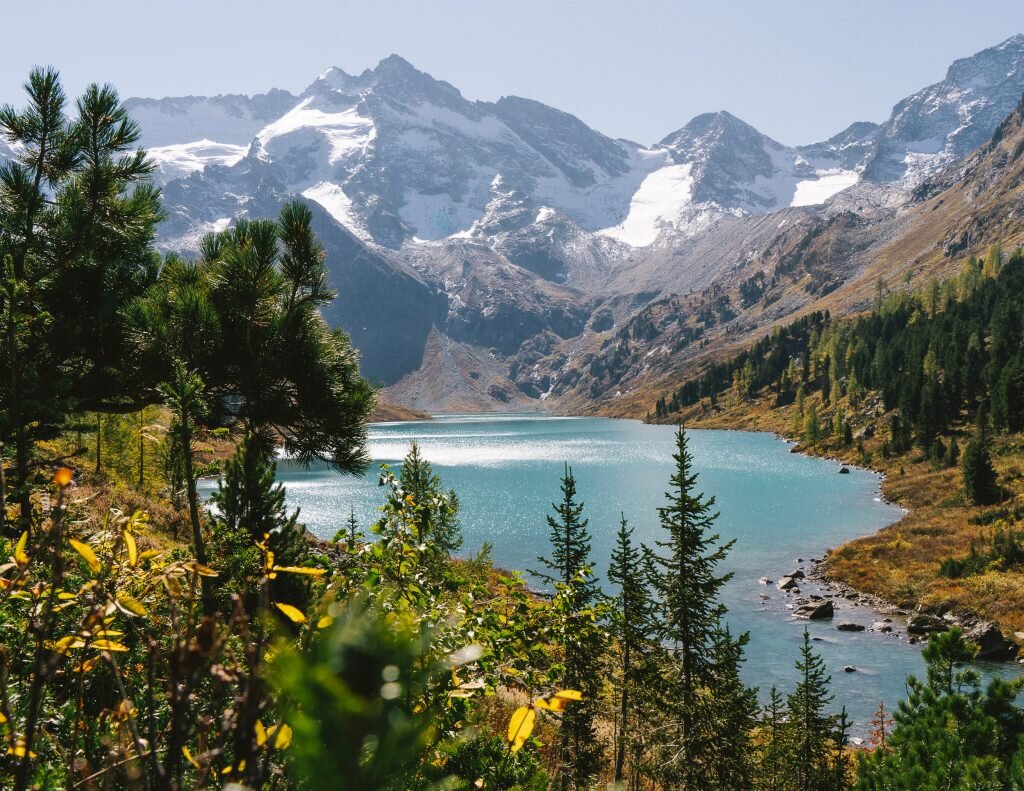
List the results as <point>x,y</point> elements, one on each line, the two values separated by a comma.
<point>851,627</point>
<point>796,574</point>
<point>881,626</point>
<point>922,623</point>
<point>786,583</point>
<point>815,610</point>
<point>765,581</point>
<point>990,640</point>
<point>849,669</point>
<point>865,433</point>
<point>844,470</point>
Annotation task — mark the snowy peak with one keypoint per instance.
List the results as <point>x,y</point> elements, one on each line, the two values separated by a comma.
<point>945,121</point>
<point>394,79</point>
<point>564,140</point>
<point>230,119</point>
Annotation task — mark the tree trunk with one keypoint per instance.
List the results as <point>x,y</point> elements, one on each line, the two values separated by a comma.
<point>142,452</point>
<point>99,444</point>
<point>620,755</point>
<point>193,508</point>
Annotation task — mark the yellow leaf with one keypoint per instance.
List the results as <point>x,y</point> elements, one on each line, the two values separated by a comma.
<point>460,693</point>
<point>188,757</point>
<point>65,596</point>
<point>521,726</point>
<point>20,557</point>
<point>87,555</point>
<point>63,476</point>
<point>283,737</point>
<point>204,571</point>
<point>324,622</point>
<point>18,750</point>
<point>301,570</point>
<point>3,718</point>
<point>107,645</point>
<point>293,613</point>
<point>569,694</point>
<point>133,550</point>
<point>556,704</point>
<point>130,605</point>
<point>261,734</point>
<point>150,553</point>
<point>65,644</point>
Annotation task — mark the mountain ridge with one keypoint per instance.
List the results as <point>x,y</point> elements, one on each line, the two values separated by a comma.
<point>514,243</point>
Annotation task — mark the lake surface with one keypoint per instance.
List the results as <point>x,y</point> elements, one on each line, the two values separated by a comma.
<point>779,506</point>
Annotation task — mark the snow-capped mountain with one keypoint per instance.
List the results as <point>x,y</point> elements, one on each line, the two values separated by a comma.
<point>948,120</point>
<point>510,233</point>
<point>396,156</point>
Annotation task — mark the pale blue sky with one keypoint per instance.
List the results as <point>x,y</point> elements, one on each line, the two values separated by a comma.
<point>799,70</point>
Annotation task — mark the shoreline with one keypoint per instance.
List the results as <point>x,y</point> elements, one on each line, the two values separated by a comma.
<point>996,645</point>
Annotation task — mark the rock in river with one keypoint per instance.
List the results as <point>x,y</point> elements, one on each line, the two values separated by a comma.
<point>922,623</point>
<point>851,627</point>
<point>991,641</point>
<point>815,610</point>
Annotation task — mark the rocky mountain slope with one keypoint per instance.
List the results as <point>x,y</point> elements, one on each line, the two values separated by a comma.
<point>503,254</point>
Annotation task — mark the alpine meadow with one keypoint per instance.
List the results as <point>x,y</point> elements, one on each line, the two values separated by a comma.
<point>366,436</point>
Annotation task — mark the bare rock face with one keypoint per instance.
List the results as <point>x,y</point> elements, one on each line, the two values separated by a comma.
<point>922,623</point>
<point>990,640</point>
<point>815,611</point>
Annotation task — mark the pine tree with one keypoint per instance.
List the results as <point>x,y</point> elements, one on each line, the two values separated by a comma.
<point>576,609</point>
<point>772,746</point>
<point>948,732</point>
<point>251,509</point>
<point>810,728</point>
<point>569,538</point>
<point>77,223</point>
<point>700,669</point>
<point>632,631</point>
<point>979,475</point>
<point>437,512</point>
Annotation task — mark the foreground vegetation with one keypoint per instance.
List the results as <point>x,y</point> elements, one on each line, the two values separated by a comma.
<point>150,642</point>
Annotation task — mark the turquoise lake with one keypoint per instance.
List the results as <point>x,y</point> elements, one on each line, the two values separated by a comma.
<point>779,506</point>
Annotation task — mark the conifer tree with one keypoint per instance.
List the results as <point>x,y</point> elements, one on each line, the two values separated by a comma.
<point>699,672</point>
<point>811,730</point>
<point>772,753</point>
<point>251,509</point>
<point>437,512</point>
<point>77,222</point>
<point>632,631</point>
<point>812,426</point>
<point>979,475</point>
<point>948,732</point>
<point>569,537</point>
<point>576,608</point>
